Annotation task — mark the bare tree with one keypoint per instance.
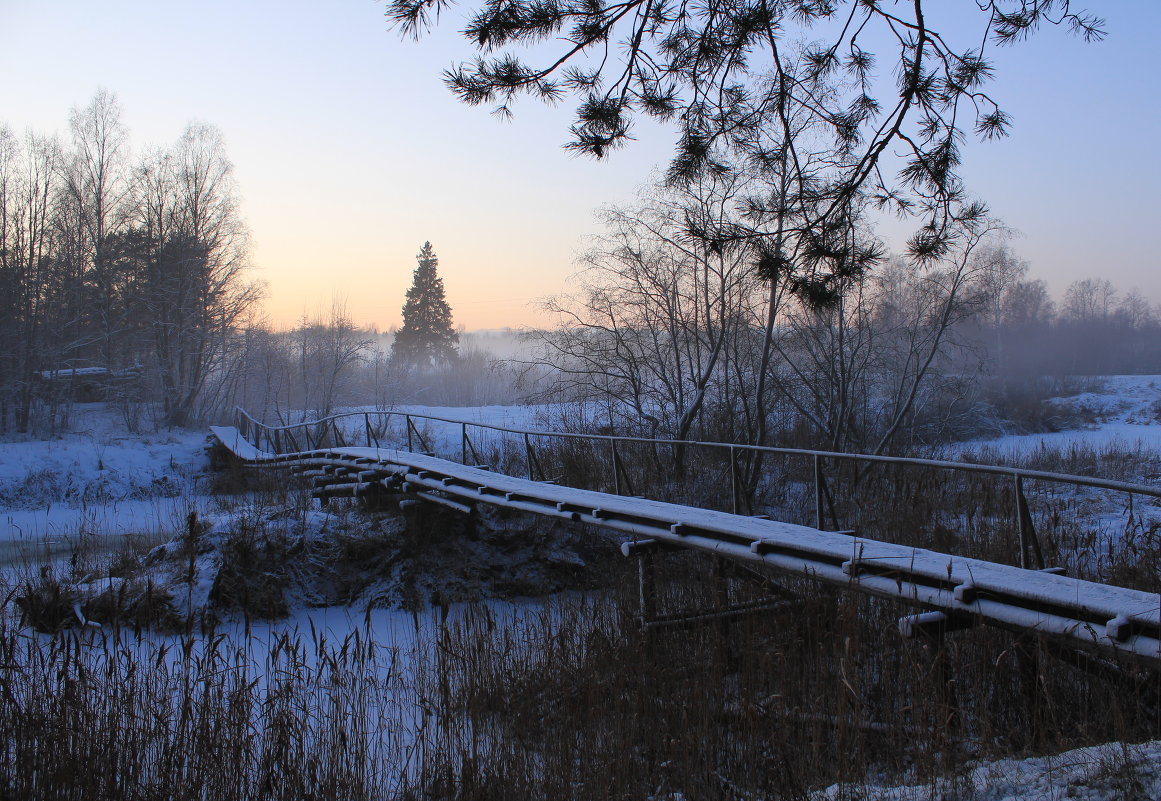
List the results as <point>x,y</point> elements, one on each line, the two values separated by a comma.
<point>96,180</point>
<point>859,370</point>
<point>29,172</point>
<point>1028,303</point>
<point>9,284</point>
<point>195,287</point>
<point>999,270</point>
<point>1135,311</point>
<point>327,351</point>
<point>1089,300</point>
<point>653,330</point>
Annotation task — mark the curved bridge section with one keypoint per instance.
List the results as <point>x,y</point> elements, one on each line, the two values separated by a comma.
<point>956,591</point>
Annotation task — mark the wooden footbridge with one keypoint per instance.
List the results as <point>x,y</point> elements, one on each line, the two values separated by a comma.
<point>954,592</point>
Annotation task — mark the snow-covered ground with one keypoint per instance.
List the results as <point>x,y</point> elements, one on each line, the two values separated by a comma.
<point>1125,413</point>
<point>523,417</point>
<point>97,480</point>
<point>100,480</point>
<point>1112,772</point>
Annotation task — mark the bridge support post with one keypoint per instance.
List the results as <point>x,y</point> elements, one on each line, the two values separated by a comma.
<point>931,629</point>
<point>616,467</point>
<point>1035,695</point>
<point>533,463</point>
<point>647,586</point>
<point>727,653</point>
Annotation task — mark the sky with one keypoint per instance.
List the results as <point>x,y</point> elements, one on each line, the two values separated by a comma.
<point>350,153</point>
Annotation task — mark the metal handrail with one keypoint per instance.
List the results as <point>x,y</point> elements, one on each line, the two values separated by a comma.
<point>941,464</point>
<point>1121,621</point>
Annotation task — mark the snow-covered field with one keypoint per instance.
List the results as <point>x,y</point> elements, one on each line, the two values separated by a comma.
<point>96,481</point>
<point>102,482</point>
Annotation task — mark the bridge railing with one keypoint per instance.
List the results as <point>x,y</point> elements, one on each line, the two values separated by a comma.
<point>371,429</point>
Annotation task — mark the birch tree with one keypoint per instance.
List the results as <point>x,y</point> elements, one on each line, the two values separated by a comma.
<point>195,288</point>
<point>29,180</point>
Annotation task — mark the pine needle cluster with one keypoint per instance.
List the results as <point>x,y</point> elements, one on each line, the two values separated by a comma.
<point>790,89</point>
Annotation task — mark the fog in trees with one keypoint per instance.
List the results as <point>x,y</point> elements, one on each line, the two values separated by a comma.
<point>712,308</point>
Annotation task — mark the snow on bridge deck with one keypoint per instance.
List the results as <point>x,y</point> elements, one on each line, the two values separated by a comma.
<point>1118,620</point>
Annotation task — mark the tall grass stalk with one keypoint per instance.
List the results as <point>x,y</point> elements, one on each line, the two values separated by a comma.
<point>566,699</point>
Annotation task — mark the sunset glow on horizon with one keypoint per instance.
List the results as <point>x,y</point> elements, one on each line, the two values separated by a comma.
<point>350,153</point>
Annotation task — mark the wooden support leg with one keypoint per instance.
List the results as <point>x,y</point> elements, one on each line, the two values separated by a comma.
<point>726,650</point>
<point>647,585</point>
<point>1028,661</point>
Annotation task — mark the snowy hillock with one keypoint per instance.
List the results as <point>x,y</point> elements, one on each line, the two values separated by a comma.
<point>97,479</point>
<point>1124,410</point>
<point>265,562</point>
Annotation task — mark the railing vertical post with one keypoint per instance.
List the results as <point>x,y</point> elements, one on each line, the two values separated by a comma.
<point>367,427</point>
<point>407,418</point>
<point>1029,543</point>
<point>818,492</point>
<point>463,443</point>
<point>528,456</point>
<point>733,479</point>
<point>616,467</point>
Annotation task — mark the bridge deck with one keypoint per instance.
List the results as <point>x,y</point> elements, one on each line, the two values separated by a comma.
<point>1115,619</point>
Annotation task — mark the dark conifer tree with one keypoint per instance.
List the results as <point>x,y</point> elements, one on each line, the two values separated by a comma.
<point>427,336</point>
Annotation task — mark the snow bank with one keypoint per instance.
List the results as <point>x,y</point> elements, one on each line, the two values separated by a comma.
<point>97,479</point>
<point>1127,411</point>
<point>1112,772</point>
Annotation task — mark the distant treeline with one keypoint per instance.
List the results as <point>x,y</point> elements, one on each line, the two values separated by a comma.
<point>122,278</point>
<point>1094,329</point>
<point>129,263</point>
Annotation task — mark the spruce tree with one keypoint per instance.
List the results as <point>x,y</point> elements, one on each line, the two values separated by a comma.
<point>427,336</point>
